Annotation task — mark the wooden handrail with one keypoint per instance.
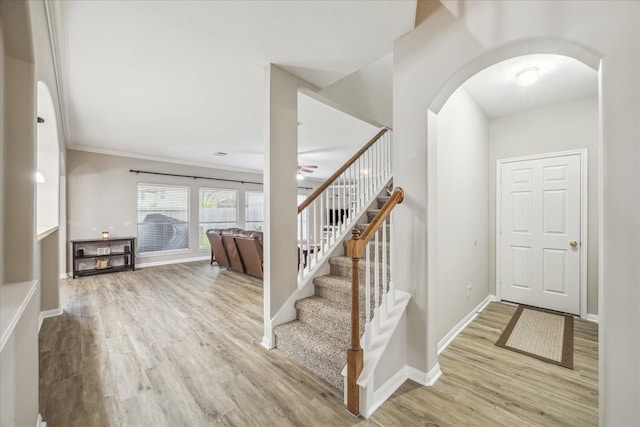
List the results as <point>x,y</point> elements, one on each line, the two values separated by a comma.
<point>355,250</point>
<point>339,172</point>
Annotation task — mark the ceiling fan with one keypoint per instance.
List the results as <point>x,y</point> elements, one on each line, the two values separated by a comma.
<point>307,168</point>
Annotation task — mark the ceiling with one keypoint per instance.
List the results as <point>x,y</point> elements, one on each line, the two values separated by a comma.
<point>561,79</point>
<point>181,80</point>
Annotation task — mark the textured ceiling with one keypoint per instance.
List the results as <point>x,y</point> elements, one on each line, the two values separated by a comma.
<point>561,79</point>
<point>181,80</point>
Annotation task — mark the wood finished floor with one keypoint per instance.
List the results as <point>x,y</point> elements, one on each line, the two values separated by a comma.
<point>179,345</point>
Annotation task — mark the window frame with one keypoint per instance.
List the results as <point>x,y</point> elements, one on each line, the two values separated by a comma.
<point>203,242</point>
<point>187,215</point>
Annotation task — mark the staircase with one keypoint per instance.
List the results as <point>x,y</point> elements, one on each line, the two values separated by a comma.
<point>318,339</point>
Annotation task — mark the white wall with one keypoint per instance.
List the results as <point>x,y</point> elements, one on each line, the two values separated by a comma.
<point>19,356</point>
<point>19,171</point>
<point>19,372</point>
<point>103,196</point>
<point>366,93</point>
<point>280,166</point>
<point>447,49</point>
<point>567,126</point>
<point>462,209</point>
<point>49,155</point>
<point>48,161</point>
<point>1,151</point>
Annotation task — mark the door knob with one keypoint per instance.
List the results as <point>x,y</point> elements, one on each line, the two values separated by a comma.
<point>573,243</point>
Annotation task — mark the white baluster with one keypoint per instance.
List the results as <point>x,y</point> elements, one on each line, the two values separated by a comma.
<point>392,287</point>
<point>300,238</point>
<point>316,247</point>
<point>367,298</point>
<point>376,281</point>
<point>385,261</point>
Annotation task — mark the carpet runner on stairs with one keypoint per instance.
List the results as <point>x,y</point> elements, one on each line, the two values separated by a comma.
<point>318,339</point>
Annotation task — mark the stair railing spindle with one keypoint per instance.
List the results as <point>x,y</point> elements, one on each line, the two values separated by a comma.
<point>316,247</point>
<point>385,281</point>
<point>392,288</point>
<point>376,280</point>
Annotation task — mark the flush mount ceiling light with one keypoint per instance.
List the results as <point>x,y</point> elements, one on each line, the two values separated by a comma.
<point>528,76</point>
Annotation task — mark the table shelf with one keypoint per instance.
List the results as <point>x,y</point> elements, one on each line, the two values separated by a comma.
<point>123,256</point>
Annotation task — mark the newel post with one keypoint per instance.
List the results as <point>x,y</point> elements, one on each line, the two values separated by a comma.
<point>354,354</point>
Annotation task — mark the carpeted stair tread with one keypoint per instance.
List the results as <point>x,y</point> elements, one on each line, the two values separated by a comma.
<point>345,261</point>
<point>316,350</point>
<point>342,266</point>
<point>324,314</point>
<point>338,290</point>
<point>334,288</point>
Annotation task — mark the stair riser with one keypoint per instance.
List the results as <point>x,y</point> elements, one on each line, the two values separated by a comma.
<point>343,296</point>
<point>314,362</point>
<point>371,215</point>
<point>372,245</point>
<point>362,227</point>
<point>341,328</point>
<point>333,323</point>
<point>337,295</point>
<point>346,271</point>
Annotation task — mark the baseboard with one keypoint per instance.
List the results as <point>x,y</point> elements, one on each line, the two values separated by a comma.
<point>407,372</point>
<point>172,261</point>
<point>387,389</point>
<point>424,378</point>
<point>444,342</point>
<point>592,318</point>
<point>65,275</point>
<point>46,314</point>
<point>39,422</point>
<point>267,343</point>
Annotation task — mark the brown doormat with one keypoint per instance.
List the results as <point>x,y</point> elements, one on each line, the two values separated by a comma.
<point>541,334</point>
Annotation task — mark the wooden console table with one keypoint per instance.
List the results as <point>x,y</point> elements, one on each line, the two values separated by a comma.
<point>99,256</point>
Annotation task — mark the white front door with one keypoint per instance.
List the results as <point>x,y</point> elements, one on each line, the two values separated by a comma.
<point>540,223</point>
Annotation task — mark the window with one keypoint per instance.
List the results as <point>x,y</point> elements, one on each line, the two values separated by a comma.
<point>218,209</point>
<point>254,212</point>
<point>163,217</point>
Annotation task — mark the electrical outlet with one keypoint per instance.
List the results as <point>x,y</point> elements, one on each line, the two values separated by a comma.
<point>469,286</point>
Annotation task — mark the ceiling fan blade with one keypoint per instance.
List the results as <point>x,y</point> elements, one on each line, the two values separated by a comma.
<point>304,169</point>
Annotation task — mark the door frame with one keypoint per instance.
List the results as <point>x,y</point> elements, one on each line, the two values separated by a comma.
<point>584,176</point>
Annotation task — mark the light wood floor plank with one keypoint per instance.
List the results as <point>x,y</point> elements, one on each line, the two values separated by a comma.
<point>486,385</point>
<point>179,345</point>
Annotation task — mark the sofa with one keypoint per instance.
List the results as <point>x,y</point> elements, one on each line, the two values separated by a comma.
<point>237,249</point>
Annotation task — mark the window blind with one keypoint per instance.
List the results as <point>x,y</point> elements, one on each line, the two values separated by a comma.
<point>163,217</point>
<point>254,212</point>
<point>218,209</point>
